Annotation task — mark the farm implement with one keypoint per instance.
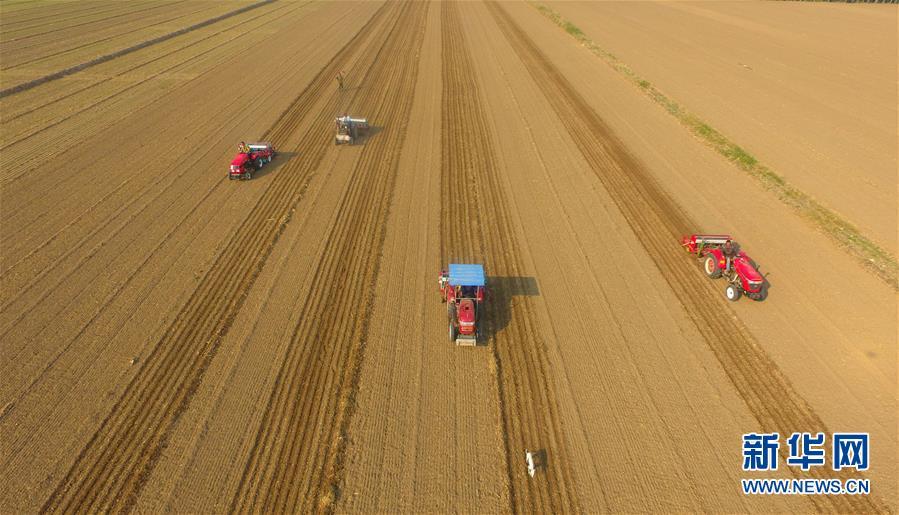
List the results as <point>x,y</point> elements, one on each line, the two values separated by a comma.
<point>722,257</point>
<point>349,129</point>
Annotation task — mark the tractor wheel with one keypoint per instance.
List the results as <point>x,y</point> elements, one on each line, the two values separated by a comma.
<point>452,332</point>
<point>247,175</point>
<point>733,292</point>
<point>711,267</point>
<point>259,163</point>
<point>763,293</point>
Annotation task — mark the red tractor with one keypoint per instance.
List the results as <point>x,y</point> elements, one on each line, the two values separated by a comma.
<point>463,288</point>
<point>722,257</point>
<point>251,159</point>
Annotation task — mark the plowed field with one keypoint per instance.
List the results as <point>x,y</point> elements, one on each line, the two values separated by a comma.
<point>171,340</point>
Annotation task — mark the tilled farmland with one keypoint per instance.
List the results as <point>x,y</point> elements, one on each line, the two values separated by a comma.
<point>176,341</point>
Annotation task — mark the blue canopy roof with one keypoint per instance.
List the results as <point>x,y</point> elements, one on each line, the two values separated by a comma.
<point>466,275</point>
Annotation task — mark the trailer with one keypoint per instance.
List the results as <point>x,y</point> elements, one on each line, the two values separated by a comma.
<point>463,287</point>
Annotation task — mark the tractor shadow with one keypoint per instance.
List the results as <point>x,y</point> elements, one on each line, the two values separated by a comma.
<point>280,159</point>
<point>502,294</point>
<point>362,139</point>
<point>372,132</point>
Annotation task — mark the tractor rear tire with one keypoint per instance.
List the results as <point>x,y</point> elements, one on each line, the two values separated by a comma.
<point>259,163</point>
<point>451,318</point>
<point>710,267</point>
<point>733,292</point>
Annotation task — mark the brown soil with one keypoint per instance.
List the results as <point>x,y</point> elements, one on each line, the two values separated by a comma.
<point>176,341</point>
<point>782,79</point>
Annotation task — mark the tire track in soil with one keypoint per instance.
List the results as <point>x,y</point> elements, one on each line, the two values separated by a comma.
<point>35,150</point>
<point>48,15</point>
<point>128,12</point>
<point>659,223</point>
<point>23,289</point>
<point>109,472</point>
<point>32,49</point>
<point>124,51</point>
<point>243,27</point>
<point>476,224</point>
<point>22,349</point>
<point>116,217</point>
<point>7,268</point>
<point>15,352</point>
<point>296,462</point>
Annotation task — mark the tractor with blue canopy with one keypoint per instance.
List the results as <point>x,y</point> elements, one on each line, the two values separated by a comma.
<point>463,289</point>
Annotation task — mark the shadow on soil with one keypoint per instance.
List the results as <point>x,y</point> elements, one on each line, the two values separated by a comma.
<point>280,159</point>
<point>362,139</point>
<point>502,294</point>
<point>372,131</point>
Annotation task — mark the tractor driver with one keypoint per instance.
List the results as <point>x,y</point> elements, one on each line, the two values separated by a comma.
<point>243,148</point>
<point>730,250</point>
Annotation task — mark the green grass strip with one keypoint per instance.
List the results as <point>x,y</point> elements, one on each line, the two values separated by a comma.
<point>842,232</point>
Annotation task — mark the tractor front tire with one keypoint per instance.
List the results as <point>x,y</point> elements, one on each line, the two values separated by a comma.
<point>247,175</point>
<point>710,267</point>
<point>452,332</point>
<point>733,292</point>
<point>259,163</point>
<point>763,293</point>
